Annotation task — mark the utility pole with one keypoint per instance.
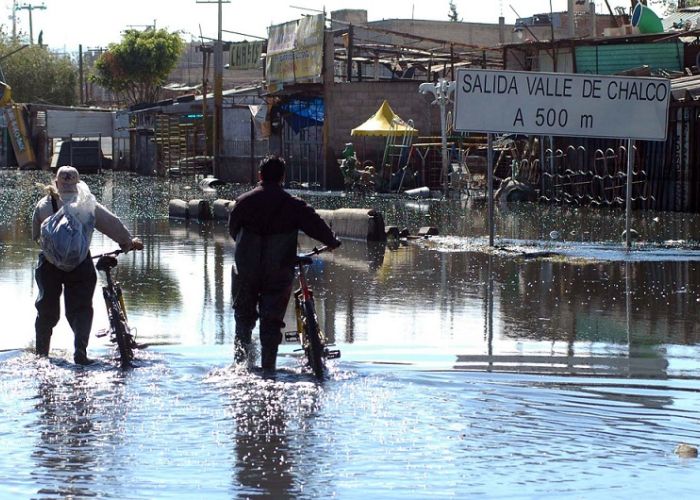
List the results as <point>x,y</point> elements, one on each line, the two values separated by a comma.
<point>218,90</point>
<point>14,20</point>
<point>29,7</point>
<point>80,72</point>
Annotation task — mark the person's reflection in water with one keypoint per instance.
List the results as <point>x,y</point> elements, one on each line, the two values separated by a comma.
<point>65,454</point>
<point>265,415</point>
<point>375,255</point>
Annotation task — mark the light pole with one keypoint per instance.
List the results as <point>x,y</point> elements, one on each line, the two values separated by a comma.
<point>442,90</point>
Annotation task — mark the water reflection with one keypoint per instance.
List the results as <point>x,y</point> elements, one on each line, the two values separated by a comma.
<point>264,460</point>
<point>67,452</point>
<point>276,450</point>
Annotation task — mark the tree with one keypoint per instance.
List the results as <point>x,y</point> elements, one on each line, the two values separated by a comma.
<point>137,67</point>
<point>38,75</point>
<point>453,15</point>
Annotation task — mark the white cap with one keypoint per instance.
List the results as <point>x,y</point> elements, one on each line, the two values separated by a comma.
<point>67,179</point>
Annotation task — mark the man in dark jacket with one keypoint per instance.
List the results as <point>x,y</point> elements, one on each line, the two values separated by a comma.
<point>265,223</point>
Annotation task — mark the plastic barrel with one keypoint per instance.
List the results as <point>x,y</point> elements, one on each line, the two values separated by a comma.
<point>178,209</point>
<point>646,20</point>
<point>222,208</point>
<point>199,209</point>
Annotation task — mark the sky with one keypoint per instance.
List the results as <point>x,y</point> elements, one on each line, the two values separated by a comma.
<point>66,24</point>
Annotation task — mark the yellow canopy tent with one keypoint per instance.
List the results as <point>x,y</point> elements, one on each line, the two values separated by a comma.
<point>399,136</point>
<point>384,123</point>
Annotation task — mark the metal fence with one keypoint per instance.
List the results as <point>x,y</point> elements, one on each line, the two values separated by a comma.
<point>666,174</point>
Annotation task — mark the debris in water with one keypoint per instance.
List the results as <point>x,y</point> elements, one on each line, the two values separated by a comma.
<point>633,234</point>
<point>684,450</point>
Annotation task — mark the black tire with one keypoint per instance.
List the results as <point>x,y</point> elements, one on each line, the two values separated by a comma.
<point>125,352</point>
<point>314,348</point>
<point>120,334</point>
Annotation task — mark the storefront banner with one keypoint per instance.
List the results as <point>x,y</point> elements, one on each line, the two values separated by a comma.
<point>245,55</point>
<point>282,37</point>
<point>310,31</point>
<point>303,61</point>
<point>307,63</point>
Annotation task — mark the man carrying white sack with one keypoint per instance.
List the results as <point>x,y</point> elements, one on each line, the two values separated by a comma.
<point>62,224</point>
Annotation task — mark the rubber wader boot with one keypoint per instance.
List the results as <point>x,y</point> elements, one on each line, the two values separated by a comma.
<point>81,342</point>
<point>82,359</point>
<point>269,358</point>
<point>241,351</point>
<point>43,342</point>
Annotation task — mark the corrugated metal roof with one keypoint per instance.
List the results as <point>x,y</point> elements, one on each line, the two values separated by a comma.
<point>677,20</point>
<point>685,87</point>
<point>611,59</point>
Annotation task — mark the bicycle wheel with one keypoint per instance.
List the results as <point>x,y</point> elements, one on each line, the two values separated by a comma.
<point>125,352</point>
<point>313,347</point>
<point>120,331</point>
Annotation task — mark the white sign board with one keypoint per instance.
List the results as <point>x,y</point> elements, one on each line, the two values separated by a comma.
<point>78,122</point>
<point>562,104</point>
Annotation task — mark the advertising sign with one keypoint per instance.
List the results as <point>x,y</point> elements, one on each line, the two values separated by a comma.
<point>245,55</point>
<point>17,130</point>
<point>295,51</point>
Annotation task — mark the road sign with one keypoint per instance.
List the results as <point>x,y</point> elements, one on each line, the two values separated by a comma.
<point>561,104</point>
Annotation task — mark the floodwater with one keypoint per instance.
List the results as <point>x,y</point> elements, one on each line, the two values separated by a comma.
<point>557,365</point>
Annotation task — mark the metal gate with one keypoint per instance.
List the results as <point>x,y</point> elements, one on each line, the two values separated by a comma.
<point>303,152</point>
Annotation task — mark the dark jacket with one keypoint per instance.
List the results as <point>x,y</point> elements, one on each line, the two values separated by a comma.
<point>265,223</point>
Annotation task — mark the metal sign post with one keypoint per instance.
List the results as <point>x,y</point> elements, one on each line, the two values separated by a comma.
<point>562,104</point>
<point>489,181</point>
<point>628,195</point>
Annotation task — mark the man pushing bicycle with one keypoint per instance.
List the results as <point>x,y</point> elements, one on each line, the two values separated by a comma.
<point>265,222</point>
<point>63,223</point>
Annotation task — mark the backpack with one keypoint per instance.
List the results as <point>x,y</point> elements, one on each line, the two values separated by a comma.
<point>64,239</point>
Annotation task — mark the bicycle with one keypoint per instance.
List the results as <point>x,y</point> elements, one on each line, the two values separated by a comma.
<point>119,331</point>
<point>308,333</point>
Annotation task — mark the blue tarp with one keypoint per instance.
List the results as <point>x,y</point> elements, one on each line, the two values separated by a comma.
<point>300,113</point>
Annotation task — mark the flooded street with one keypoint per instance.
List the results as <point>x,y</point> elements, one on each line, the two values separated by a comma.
<point>557,365</point>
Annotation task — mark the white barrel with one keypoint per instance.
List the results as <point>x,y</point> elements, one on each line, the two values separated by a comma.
<point>199,209</point>
<point>178,209</point>
<point>359,223</point>
<point>222,208</point>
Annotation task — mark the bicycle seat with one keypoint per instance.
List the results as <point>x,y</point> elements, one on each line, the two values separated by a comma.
<point>106,262</point>
<point>304,260</point>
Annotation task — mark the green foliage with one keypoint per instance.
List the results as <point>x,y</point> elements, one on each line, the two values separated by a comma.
<point>139,65</point>
<point>37,75</point>
<point>453,15</point>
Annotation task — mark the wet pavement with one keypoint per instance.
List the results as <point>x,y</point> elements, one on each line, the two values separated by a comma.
<point>556,365</point>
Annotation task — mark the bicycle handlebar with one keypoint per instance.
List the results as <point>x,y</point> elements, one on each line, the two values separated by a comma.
<point>113,252</point>
<point>316,251</point>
